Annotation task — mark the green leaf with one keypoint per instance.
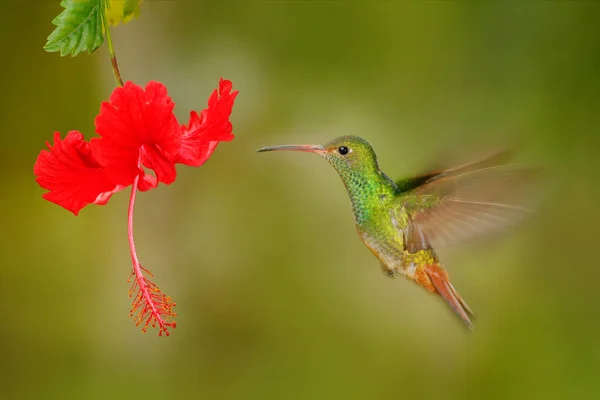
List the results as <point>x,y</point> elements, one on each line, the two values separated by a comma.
<point>122,11</point>
<point>78,27</point>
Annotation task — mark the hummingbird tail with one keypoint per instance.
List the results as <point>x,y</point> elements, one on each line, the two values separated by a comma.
<point>440,284</point>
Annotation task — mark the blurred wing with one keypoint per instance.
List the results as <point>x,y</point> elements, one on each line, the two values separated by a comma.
<point>456,206</point>
<point>492,159</point>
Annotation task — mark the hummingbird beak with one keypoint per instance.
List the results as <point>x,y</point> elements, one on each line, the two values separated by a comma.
<point>294,147</point>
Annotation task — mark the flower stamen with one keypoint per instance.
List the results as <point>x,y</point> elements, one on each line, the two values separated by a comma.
<point>150,306</point>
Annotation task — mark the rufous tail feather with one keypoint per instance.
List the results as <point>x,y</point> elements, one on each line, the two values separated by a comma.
<point>439,283</point>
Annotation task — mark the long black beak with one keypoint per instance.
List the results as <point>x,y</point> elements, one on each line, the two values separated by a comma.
<point>294,147</point>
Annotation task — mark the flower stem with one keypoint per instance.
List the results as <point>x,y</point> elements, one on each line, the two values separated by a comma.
<point>134,257</point>
<point>111,49</point>
<point>150,304</point>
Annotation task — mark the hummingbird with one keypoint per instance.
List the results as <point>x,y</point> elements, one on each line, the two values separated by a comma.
<point>404,222</point>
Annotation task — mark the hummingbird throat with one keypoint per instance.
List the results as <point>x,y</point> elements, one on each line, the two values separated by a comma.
<point>368,193</point>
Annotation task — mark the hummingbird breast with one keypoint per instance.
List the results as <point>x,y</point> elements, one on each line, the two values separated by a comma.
<point>372,196</point>
<point>388,253</point>
<point>381,235</point>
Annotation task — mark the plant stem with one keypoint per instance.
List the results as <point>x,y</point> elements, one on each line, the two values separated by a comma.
<point>134,258</point>
<point>111,49</point>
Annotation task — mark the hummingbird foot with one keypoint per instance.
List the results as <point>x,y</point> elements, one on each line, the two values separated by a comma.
<point>390,272</point>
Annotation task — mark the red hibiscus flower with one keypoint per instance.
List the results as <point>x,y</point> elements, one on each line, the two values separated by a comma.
<point>138,133</point>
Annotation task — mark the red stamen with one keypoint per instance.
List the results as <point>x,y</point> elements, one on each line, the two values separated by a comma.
<point>150,306</point>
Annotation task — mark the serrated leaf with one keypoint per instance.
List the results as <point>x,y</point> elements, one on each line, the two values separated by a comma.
<point>78,27</point>
<point>122,11</point>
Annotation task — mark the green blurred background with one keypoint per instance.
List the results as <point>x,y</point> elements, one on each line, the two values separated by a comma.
<point>277,298</point>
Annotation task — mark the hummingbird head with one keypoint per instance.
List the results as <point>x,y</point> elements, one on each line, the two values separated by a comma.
<point>349,155</point>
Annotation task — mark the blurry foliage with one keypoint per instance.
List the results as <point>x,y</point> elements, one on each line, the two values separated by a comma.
<point>122,11</point>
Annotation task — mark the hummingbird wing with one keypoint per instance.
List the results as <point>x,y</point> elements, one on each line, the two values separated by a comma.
<point>463,203</point>
<point>495,158</point>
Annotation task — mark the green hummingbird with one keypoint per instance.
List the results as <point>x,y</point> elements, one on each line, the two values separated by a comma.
<point>403,222</point>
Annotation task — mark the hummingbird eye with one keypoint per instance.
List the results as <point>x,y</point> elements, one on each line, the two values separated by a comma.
<point>343,150</point>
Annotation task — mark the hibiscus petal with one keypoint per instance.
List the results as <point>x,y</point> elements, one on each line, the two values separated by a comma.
<point>147,182</point>
<point>154,159</point>
<point>103,198</point>
<point>135,118</point>
<point>206,130</point>
<point>120,163</point>
<point>72,175</point>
